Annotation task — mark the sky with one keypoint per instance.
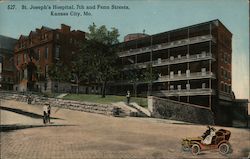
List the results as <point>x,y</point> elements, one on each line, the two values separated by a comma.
<point>153,16</point>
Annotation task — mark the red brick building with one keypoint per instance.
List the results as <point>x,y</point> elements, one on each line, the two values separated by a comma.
<point>35,53</point>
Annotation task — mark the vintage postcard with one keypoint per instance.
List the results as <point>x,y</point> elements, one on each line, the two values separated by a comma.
<point>122,79</point>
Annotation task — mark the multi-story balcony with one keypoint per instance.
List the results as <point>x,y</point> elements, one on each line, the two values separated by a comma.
<point>167,45</point>
<point>172,60</point>
<point>174,77</point>
<point>184,92</point>
<point>186,76</point>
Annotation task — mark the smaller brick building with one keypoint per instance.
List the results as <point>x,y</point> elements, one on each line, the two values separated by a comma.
<point>35,53</point>
<point>6,62</point>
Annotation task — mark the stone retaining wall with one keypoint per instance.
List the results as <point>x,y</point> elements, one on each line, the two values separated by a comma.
<point>169,109</point>
<point>67,104</point>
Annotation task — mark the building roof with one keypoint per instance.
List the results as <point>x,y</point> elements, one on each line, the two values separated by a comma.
<point>182,28</point>
<point>46,28</point>
<point>7,43</point>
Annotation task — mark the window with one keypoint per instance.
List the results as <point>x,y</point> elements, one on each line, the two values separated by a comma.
<point>18,59</point>
<point>222,72</point>
<point>171,87</point>
<point>25,74</point>
<point>38,54</point>
<point>171,74</point>
<point>226,88</point>
<point>225,57</point>
<point>46,71</point>
<point>222,87</point>
<point>203,71</point>
<point>203,85</point>
<point>159,60</point>
<point>179,87</point>
<point>25,58</point>
<point>187,73</point>
<point>225,74</point>
<point>46,53</point>
<point>179,72</point>
<point>57,54</point>
<point>57,36</point>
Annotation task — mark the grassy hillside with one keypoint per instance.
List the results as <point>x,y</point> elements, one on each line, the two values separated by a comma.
<point>107,100</point>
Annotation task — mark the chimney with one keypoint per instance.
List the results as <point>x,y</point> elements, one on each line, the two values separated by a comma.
<point>65,28</point>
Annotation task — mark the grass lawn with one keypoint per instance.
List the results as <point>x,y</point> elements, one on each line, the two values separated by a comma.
<point>107,100</point>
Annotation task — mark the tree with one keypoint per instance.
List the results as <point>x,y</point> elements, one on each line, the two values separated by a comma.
<point>134,76</point>
<point>148,76</point>
<point>98,56</point>
<point>58,73</point>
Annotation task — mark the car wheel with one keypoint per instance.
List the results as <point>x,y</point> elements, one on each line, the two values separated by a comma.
<point>224,148</point>
<point>196,149</point>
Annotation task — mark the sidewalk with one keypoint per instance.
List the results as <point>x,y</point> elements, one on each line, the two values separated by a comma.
<point>17,115</point>
<point>81,135</point>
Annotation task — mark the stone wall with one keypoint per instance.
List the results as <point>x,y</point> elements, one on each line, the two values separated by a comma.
<point>104,109</point>
<point>169,109</point>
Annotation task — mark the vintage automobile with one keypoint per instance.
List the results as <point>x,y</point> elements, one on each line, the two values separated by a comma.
<point>219,141</point>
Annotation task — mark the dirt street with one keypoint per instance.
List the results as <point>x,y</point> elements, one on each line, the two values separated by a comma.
<point>74,134</point>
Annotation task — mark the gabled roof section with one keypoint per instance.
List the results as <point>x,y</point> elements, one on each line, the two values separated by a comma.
<point>22,37</point>
<point>32,33</point>
<point>46,28</point>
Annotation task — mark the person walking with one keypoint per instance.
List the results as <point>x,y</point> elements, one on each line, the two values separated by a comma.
<point>128,97</point>
<point>45,113</point>
<point>29,99</point>
<point>49,110</point>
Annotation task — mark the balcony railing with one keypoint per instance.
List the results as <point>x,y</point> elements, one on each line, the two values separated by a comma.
<point>186,76</point>
<point>184,92</point>
<point>177,43</point>
<point>175,77</point>
<point>162,62</point>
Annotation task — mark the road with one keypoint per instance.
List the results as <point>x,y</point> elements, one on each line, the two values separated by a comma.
<point>80,135</point>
